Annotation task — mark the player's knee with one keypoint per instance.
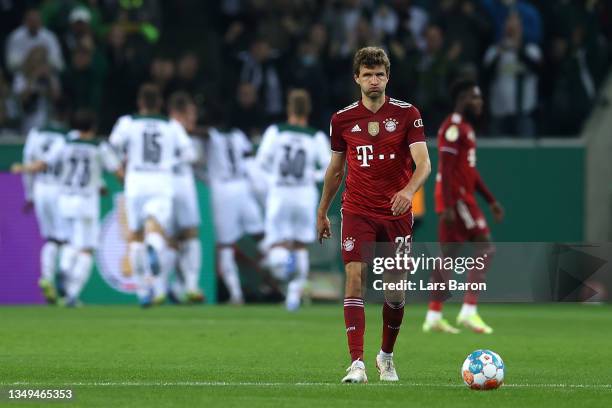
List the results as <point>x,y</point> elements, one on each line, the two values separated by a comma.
<point>135,236</point>
<point>153,226</point>
<point>278,260</point>
<point>189,233</point>
<point>353,279</point>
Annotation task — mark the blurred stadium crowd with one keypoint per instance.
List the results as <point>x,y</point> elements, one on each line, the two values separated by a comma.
<point>540,62</point>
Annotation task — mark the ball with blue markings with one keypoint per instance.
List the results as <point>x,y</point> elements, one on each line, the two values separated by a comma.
<point>483,370</point>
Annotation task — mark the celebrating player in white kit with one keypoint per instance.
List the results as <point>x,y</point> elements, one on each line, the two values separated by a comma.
<point>235,209</point>
<point>296,156</point>
<point>152,145</point>
<point>42,190</point>
<point>82,161</point>
<point>186,211</point>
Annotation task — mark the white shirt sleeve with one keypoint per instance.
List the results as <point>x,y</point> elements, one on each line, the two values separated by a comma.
<point>119,136</point>
<point>323,155</point>
<point>54,154</point>
<point>108,157</point>
<point>265,153</point>
<point>185,147</point>
<point>29,157</point>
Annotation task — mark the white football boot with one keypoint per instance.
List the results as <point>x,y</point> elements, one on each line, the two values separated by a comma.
<point>386,368</point>
<point>356,373</point>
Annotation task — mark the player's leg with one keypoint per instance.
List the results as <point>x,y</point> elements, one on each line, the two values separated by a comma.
<point>44,210</point>
<point>84,241</point>
<point>303,232</point>
<point>398,238</point>
<point>468,315</point>
<point>358,235</point>
<point>450,238</point>
<point>137,250</point>
<point>187,218</point>
<point>228,269</point>
<point>160,260</point>
<point>228,229</point>
<point>190,263</point>
<point>296,285</point>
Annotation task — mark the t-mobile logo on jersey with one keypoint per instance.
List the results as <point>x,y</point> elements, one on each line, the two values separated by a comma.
<point>365,154</point>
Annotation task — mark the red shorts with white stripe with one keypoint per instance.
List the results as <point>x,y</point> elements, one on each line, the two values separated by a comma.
<point>361,233</point>
<point>469,223</point>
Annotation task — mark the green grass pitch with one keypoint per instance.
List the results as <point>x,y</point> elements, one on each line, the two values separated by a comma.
<point>260,356</point>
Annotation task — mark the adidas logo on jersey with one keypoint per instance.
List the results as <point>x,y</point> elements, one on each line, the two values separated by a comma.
<point>356,128</point>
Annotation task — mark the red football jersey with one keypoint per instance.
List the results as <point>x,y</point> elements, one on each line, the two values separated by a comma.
<point>377,147</point>
<point>457,137</point>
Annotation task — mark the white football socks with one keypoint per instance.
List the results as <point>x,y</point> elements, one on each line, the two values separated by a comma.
<point>278,261</point>
<point>467,310</point>
<point>137,263</point>
<point>48,257</point>
<point>433,316</point>
<point>190,261</point>
<point>296,286</point>
<point>79,275</point>
<point>229,273</point>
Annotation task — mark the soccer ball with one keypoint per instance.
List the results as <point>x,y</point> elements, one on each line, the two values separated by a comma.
<point>483,370</point>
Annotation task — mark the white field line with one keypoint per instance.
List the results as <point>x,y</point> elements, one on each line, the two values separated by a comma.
<point>273,384</point>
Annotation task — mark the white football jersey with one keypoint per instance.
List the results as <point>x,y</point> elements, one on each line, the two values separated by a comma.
<point>225,152</point>
<point>294,155</point>
<point>82,163</point>
<point>151,145</point>
<point>37,145</point>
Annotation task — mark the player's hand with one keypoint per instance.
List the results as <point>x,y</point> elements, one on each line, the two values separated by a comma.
<point>323,227</point>
<point>498,211</point>
<point>17,168</point>
<point>28,207</point>
<point>448,216</point>
<point>400,202</point>
<point>103,191</point>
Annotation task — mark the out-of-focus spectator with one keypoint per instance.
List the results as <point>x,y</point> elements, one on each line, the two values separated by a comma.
<point>306,71</point>
<point>79,28</point>
<point>413,22</point>
<point>84,79</point>
<point>529,15</point>
<point>246,112</point>
<point>260,66</point>
<point>9,110</point>
<point>29,35</point>
<point>465,23</point>
<point>197,79</point>
<point>162,72</point>
<point>139,17</point>
<point>435,71</point>
<point>513,67</point>
<point>36,86</point>
<point>573,80</point>
<point>128,66</point>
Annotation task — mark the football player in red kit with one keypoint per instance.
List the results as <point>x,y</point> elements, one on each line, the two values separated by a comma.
<point>379,139</point>
<point>461,219</point>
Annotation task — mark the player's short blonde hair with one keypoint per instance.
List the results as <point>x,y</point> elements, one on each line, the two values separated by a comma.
<point>371,57</point>
<point>298,102</point>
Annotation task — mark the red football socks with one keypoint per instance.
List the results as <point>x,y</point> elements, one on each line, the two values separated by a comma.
<point>354,319</point>
<point>392,320</point>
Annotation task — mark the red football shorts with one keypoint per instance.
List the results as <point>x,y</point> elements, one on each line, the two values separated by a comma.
<point>360,233</point>
<point>469,223</point>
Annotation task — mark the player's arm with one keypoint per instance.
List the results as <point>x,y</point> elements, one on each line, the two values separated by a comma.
<point>331,183</point>
<point>264,155</point>
<point>323,155</point>
<point>28,157</point>
<point>186,149</point>
<point>402,200</point>
<point>40,165</point>
<point>415,137</point>
<point>483,190</point>
<point>448,161</point>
